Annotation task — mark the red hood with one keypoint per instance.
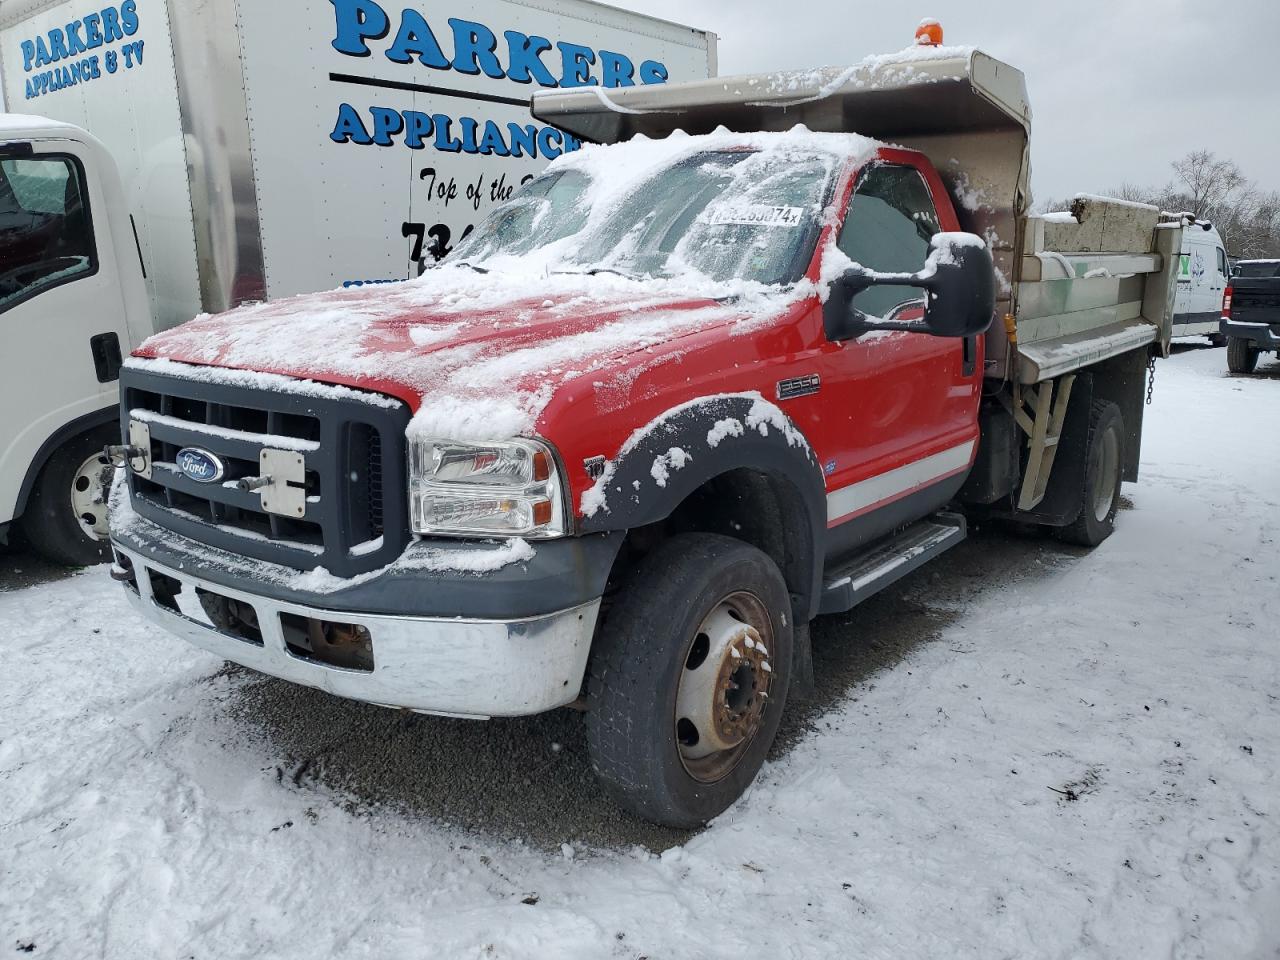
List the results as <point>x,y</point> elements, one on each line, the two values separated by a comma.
<point>485,354</point>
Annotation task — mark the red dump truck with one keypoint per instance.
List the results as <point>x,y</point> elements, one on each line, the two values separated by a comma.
<point>735,366</point>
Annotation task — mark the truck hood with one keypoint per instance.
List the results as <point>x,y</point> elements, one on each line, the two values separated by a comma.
<point>473,355</point>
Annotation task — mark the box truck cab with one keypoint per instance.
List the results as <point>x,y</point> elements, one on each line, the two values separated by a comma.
<point>263,150</point>
<point>72,303</point>
<point>1202,278</point>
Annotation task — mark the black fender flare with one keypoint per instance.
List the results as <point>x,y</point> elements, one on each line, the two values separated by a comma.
<point>663,463</point>
<point>73,428</point>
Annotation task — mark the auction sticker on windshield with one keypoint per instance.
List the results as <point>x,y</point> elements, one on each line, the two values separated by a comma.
<point>756,214</point>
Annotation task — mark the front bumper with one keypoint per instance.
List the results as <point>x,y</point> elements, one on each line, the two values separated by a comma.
<point>1265,336</point>
<point>455,666</point>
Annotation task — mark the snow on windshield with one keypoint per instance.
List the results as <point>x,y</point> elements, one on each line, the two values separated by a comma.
<point>715,209</point>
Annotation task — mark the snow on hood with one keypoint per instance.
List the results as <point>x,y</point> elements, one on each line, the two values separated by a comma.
<point>473,354</point>
<point>478,355</point>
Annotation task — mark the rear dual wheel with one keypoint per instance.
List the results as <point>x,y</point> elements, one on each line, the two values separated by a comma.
<point>1104,471</point>
<point>688,679</point>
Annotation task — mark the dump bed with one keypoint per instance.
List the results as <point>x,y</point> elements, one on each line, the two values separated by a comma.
<point>1079,288</point>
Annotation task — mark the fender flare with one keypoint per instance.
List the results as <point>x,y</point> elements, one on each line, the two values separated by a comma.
<point>68,431</point>
<point>667,460</point>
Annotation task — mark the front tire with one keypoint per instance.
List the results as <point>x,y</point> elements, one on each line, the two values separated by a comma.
<point>1241,355</point>
<point>66,516</point>
<point>1104,470</point>
<point>688,679</point>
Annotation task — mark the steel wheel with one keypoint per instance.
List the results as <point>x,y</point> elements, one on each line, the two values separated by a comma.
<point>724,686</point>
<point>89,489</point>
<point>1105,468</point>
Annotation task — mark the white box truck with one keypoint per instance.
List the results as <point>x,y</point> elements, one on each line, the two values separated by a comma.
<point>263,150</point>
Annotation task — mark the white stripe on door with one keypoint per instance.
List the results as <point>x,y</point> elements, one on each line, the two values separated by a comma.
<point>857,497</point>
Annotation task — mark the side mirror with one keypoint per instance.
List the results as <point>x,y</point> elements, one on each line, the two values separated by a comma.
<point>959,278</point>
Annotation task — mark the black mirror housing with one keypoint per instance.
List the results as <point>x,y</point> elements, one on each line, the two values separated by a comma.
<point>959,280</point>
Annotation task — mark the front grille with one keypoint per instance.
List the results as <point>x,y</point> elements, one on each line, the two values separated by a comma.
<point>365,456</point>
<point>355,517</point>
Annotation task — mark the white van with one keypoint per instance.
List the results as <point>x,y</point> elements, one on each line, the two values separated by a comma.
<point>247,151</point>
<point>1202,278</point>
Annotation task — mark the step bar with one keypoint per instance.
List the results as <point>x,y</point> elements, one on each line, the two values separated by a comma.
<point>889,561</point>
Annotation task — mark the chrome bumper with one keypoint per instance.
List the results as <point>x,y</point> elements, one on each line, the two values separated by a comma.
<point>456,667</point>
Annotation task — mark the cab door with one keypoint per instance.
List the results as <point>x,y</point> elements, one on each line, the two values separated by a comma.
<point>900,407</point>
<point>62,313</point>
<point>1202,269</point>
<point>1220,282</point>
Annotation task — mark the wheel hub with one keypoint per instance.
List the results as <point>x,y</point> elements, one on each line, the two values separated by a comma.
<point>724,686</point>
<point>89,490</point>
<point>1104,480</point>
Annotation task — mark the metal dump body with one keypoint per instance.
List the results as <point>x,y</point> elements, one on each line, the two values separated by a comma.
<point>968,112</point>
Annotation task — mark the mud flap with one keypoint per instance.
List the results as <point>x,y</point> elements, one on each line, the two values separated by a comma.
<point>802,682</point>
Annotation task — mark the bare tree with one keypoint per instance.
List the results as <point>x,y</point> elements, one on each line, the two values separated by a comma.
<point>1217,190</point>
<point>1211,184</point>
<point>1135,193</point>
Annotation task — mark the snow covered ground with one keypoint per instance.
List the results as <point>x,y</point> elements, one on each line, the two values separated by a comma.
<point>1061,755</point>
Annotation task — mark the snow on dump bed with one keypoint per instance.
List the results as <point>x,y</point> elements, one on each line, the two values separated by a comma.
<point>869,73</point>
<point>573,276</point>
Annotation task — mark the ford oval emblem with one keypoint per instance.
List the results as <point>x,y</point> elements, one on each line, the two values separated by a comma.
<point>200,465</point>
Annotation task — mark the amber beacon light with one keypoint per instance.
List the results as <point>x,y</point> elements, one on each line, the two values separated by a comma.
<point>929,33</point>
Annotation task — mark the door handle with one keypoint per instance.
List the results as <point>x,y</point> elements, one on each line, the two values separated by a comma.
<point>970,356</point>
<point>107,361</point>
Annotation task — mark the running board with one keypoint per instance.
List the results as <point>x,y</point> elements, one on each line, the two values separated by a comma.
<point>890,561</point>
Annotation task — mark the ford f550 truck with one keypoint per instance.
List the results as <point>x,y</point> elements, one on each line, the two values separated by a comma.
<point>680,395</point>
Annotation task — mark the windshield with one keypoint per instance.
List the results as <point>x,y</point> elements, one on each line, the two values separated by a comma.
<point>1258,269</point>
<point>720,215</point>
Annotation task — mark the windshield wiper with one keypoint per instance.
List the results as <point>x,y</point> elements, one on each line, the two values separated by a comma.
<point>469,264</point>
<point>596,270</point>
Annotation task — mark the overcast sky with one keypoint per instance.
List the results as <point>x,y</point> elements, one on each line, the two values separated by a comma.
<point>1119,89</point>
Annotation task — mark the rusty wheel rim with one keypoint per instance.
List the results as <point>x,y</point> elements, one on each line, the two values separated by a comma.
<point>724,686</point>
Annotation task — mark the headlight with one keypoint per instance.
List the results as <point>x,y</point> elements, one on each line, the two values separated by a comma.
<point>508,489</point>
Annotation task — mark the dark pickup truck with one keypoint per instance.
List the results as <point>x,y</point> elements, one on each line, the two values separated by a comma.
<point>1251,313</point>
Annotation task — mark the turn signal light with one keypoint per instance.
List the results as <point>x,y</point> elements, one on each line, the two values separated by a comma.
<point>1226,303</point>
<point>929,33</point>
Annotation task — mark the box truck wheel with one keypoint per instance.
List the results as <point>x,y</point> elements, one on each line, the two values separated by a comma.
<point>688,678</point>
<point>66,516</point>
<point>1241,355</point>
<point>1103,472</point>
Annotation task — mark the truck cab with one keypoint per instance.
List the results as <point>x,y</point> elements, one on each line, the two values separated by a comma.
<point>72,304</point>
